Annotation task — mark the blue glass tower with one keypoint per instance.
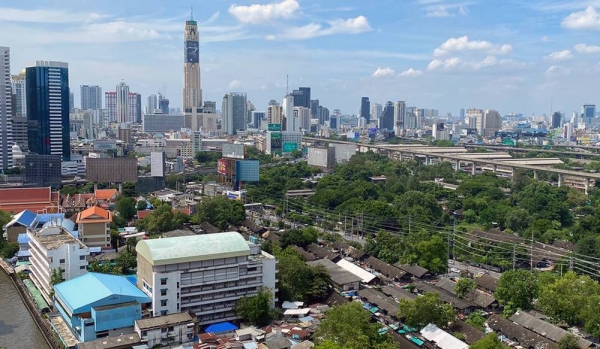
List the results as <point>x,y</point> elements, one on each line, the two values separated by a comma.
<point>48,109</point>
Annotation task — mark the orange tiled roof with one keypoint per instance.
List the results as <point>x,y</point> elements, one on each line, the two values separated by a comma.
<point>105,194</point>
<point>33,199</point>
<point>94,214</point>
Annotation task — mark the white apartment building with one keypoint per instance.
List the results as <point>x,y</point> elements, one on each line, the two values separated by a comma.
<point>204,274</point>
<point>174,328</point>
<point>51,248</point>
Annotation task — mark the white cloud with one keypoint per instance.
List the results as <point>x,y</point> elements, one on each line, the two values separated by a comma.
<point>444,64</point>
<point>488,61</point>
<point>583,48</point>
<point>411,72</point>
<point>464,44</point>
<point>45,16</point>
<point>356,25</point>
<point>381,72</point>
<point>589,19</point>
<point>559,55</point>
<point>270,37</point>
<point>440,8</point>
<point>472,65</point>
<point>234,84</point>
<point>552,69</point>
<point>261,14</point>
<point>545,38</point>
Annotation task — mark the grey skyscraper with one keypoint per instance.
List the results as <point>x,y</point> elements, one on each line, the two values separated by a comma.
<point>386,122</point>
<point>302,97</point>
<point>18,89</point>
<point>48,109</point>
<point>91,97</point>
<point>71,101</point>
<point>314,109</point>
<point>138,108</point>
<point>462,114</point>
<point>556,119</point>
<point>365,109</point>
<point>151,104</point>
<point>6,135</point>
<point>234,111</point>
<point>588,113</point>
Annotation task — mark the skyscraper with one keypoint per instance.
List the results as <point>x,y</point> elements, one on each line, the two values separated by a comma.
<point>302,97</point>
<point>48,108</point>
<point>19,125</point>
<point>123,102</point>
<point>492,122</point>
<point>71,101</point>
<point>314,110</point>
<point>291,123</point>
<point>400,117</point>
<point>302,115</point>
<point>91,97</point>
<point>6,136</point>
<point>365,109</point>
<point>376,110</point>
<point>386,121</point>
<point>556,119</point>
<point>588,113</point>
<point>274,113</point>
<point>135,108</point>
<point>152,104</point>
<point>110,103</point>
<point>18,89</point>
<point>234,111</point>
<point>192,90</point>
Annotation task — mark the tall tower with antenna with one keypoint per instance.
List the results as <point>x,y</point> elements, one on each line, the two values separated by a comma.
<point>192,88</point>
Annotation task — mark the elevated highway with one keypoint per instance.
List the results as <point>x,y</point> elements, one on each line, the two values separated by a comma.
<point>458,156</point>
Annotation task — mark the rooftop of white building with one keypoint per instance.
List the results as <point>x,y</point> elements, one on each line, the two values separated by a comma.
<point>194,248</point>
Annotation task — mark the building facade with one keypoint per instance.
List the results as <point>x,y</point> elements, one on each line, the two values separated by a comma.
<point>48,109</point>
<point>6,112</point>
<point>110,102</point>
<point>43,171</point>
<point>166,330</point>
<point>94,226</point>
<point>91,97</point>
<point>365,109</point>
<point>234,111</point>
<point>386,121</point>
<point>53,248</point>
<point>123,103</point>
<point>19,90</point>
<point>400,123</point>
<point>151,104</point>
<point>302,97</point>
<point>192,89</point>
<point>203,274</point>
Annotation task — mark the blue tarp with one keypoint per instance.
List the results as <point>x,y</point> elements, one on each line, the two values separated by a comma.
<point>25,253</point>
<point>23,239</point>
<point>221,327</point>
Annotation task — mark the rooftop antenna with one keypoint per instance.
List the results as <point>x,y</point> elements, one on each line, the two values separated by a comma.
<point>287,85</point>
<point>192,13</point>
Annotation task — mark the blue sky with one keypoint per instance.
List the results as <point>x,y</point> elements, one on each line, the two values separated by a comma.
<point>507,55</point>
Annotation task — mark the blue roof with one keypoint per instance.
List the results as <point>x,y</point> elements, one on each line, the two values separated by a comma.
<point>24,253</point>
<point>23,239</point>
<point>43,218</point>
<point>68,224</point>
<point>94,289</point>
<point>25,218</point>
<point>221,327</point>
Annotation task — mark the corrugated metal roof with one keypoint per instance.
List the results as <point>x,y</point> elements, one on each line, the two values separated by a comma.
<point>443,339</point>
<point>356,270</point>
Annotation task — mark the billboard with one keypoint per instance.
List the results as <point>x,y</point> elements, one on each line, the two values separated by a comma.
<point>289,147</point>
<point>508,142</point>
<point>247,171</point>
<point>104,145</point>
<point>233,151</point>
<point>111,170</point>
<point>222,166</point>
<point>274,127</point>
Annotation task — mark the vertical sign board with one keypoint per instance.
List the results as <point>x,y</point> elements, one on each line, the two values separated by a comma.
<point>276,143</point>
<point>274,127</point>
<point>222,166</point>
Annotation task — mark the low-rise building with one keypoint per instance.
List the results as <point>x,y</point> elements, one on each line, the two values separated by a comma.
<point>321,156</point>
<point>167,330</point>
<point>99,305</point>
<point>203,274</point>
<point>54,248</point>
<point>342,279</point>
<point>94,226</point>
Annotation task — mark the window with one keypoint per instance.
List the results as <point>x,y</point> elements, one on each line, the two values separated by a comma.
<point>81,258</point>
<point>171,329</point>
<point>163,330</point>
<point>163,281</point>
<point>163,303</point>
<point>144,333</point>
<point>61,261</point>
<point>163,292</point>
<point>81,267</point>
<point>163,312</point>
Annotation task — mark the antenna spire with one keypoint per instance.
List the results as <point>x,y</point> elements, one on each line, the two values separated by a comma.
<point>192,13</point>
<point>287,85</point>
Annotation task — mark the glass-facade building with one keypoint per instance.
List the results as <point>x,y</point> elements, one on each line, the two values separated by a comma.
<point>47,85</point>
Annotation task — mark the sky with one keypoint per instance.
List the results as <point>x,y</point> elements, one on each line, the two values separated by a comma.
<point>530,56</point>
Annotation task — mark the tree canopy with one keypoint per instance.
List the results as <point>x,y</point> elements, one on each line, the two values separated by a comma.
<point>569,341</point>
<point>256,309</point>
<point>426,309</point>
<point>349,326</point>
<point>490,341</point>
<point>220,211</point>
<point>517,289</point>
<point>465,288</point>
<point>125,206</point>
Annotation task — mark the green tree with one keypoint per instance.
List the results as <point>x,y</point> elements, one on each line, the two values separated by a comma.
<point>256,309</point>
<point>299,237</point>
<point>490,341</point>
<point>349,326</point>
<point>8,249</point>
<point>57,276</point>
<point>517,288</point>
<point>569,341</point>
<point>220,211</point>
<point>207,157</point>
<point>141,205</point>
<point>465,288</point>
<point>298,281</point>
<point>125,206</point>
<point>127,260</point>
<point>426,309</point>
<point>477,320</point>
<point>518,220</point>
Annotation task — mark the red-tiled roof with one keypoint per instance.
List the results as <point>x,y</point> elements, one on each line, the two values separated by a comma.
<point>105,194</point>
<point>94,214</point>
<point>33,199</point>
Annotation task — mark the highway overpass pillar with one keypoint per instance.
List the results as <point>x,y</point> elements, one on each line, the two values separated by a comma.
<point>427,160</point>
<point>457,166</point>
<point>495,168</point>
<point>399,156</point>
<point>587,186</point>
<point>473,169</point>
<point>120,188</point>
<point>535,174</point>
<point>512,174</point>
<point>560,179</point>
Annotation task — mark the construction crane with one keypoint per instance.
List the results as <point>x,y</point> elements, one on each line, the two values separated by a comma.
<point>162,93</point>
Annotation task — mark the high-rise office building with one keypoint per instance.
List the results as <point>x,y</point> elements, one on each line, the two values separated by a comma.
<point>492,122</point>
<point>257,117</point>
<point>400,123</point>
<point>135,108</point>
<point>323,114</point>
<point>302,115</point>
<point>234,111</point>
<point>462,113</point>
<point>302,97</point>
<point>123,103</point>
<point>588,113</point>
<point>151,104</point>
<point>376,110</point>
<point>474,118</point>
<point>291,123</point>
<point>192,89</point>
<point>314,110</point>
<point>6,113</point>
<point>163,104</point>
<point>274,113</point>
<point>386,121</point>
<point>91,97</point>
<point>71,101</point>
<point>19,90</point>
<point>556,119</point>
<point>110,103</point>
<point>365,109</point>
<point>48,109</point>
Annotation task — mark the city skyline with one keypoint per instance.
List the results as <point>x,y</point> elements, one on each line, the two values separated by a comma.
<point>506,56</point>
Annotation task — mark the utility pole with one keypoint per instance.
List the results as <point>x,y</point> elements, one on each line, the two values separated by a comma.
<point>352,228</point>
<point>514,256</point>
<point>448,269</point>
<point>409,224</point>
<point>531,250</point>
<point>571,262</point>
